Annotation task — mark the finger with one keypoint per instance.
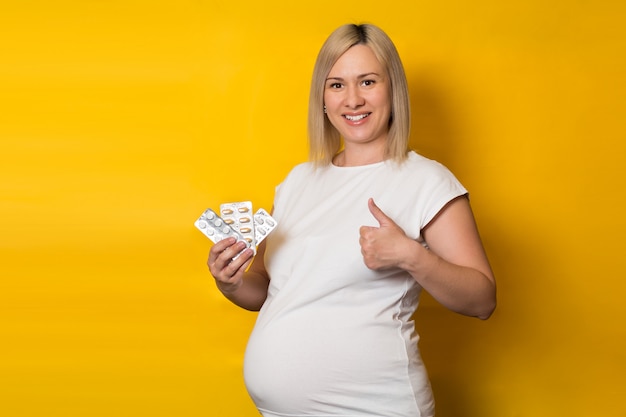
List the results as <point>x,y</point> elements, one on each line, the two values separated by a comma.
<point>229,253</point>
<point>239,265</point>
<point>227,269</point>
<point>220,247</point>
<point>248,255</point>
<point>364,231</point>
<point>222,254</point>
<point>378,214</point>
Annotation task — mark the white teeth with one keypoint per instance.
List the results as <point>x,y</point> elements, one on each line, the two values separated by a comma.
<point>356,118</point>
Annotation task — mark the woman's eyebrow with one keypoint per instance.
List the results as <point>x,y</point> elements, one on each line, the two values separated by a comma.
<point>368,74</point>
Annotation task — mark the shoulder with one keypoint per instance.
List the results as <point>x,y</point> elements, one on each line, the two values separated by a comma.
<point>423,167</point>
<point>299,173</point>
<point>431,178</point>
<point>301,170</point>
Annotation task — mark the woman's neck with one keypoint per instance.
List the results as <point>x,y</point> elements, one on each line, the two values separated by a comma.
<point>350,157</point>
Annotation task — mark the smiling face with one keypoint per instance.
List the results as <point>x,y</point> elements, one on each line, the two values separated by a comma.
<point>357,98</point>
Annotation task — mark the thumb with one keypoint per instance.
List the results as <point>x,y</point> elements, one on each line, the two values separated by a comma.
<point>378,214</point>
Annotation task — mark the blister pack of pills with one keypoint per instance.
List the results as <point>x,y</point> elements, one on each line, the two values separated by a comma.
<point>239,217</point>
<point>215,228</point>
<point>263,225</point>
<point>236,219</point>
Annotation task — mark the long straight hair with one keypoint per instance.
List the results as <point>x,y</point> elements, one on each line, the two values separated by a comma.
<point>324,139</point>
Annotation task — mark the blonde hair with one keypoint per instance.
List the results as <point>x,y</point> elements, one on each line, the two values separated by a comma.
<point>324,139</point>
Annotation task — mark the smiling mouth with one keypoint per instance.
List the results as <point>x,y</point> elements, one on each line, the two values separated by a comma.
<point>356,118</point>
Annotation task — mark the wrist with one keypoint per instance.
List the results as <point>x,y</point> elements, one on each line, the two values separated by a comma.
<point>414,256</point>
<point>227,288</point>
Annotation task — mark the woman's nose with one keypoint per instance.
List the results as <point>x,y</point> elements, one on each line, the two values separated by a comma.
<point>354,98</point>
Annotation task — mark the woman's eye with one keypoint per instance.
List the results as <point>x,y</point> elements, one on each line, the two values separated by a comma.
<point>335,85</point>
<point>368,82</point>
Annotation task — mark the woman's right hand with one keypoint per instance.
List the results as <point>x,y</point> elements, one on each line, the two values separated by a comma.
<point>228,272</point>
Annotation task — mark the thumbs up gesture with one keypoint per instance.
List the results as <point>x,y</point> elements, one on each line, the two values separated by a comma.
<point>382,247</point>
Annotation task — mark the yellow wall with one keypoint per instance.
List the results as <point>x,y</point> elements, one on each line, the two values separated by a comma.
<point>121,121</point>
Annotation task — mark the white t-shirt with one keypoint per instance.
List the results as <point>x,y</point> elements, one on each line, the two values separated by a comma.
<point>335,338</point>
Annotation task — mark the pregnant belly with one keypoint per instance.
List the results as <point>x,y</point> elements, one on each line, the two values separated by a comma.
<point>327,367</point>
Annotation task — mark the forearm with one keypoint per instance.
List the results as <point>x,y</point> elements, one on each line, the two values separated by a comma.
<point>250,294</point>
<point>462,289</point>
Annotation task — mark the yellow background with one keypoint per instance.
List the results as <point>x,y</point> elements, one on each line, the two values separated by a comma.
<point>121,121</point>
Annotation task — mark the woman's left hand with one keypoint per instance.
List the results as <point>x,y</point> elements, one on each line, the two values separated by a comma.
<point>382,247</point>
